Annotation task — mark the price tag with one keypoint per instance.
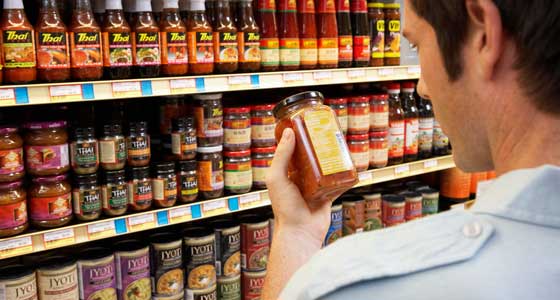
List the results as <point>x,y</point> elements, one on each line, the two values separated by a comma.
<point>182,86</point>
<point>365,177</point>
<point>239,80</point>
<point>141,222</point>
<point>293,77</point>
<point>59,238</point>
<point>386,72</point>
<point>16,247</point>
<point>402,170</point>
<point>414,70</point>
<point>249,201</point>
<point>180,215</point>
<point>214,208</point>
<point>356,74</point>
<point>8,95</point>
<point>66,93</point>
<point>432,163</point>
<point>101,230</point>
<point>322,75</point>
<point>127,89</point>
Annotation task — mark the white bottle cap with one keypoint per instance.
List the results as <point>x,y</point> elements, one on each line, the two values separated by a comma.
<point>170,4</point>
<point>13,4</point>
<point>143,6</point>
<point>197,5</point>
<point>113,5</point>
<point>99,6</point>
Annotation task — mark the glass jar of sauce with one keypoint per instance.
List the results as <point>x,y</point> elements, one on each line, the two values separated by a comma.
<point>138,145</point>
<point>114,193</point>
<point>187,181</point>
<point>210,172</point>
<point>46,148</point>
<point>378,149</point>
<point>261,162</point>
<point>359,150</point>
<point>112,148</point>
<point>358,115</point>
<point>183,139</point>
<point>392,34</point>
<point>50,202</point>
<point>238,173</point>
<point>237,128</point>
<point>262,126</point>
<point>209,117</point>
<point>86,196</point>
<point>11,154</point>
<point>84,151</point>
<point>379,112</point>
<point>140,195</point>
<point>377,33</point>
<point>340,107</point>
<point>13,209</point>
<point>164,184</point>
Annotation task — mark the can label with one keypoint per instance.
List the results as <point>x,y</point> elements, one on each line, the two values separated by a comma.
<point>413,209</point>
<point>50,208</point>
<point>354,213</point>
<point>24,288</point>
<point>228,256</point>
<point>229,288</point>
<point>252,285</point>
<point>133,274</point>
<point>199,262</point>
<point>47,157</point>
<point>97,280</point>
<point>255,245</point>
<point>335,229</point>
<point>393,213</point>
<point>166,267</point>
<point>373,214</point>
<point>58,284</point>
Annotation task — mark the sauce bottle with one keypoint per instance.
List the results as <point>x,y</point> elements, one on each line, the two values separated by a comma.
<point>410,122</point>
<point>117,45</point>
<point>248,38</point>
<point>392,34</point>
<point>200,46</point>
<point>85,43</point>
<point>289,37</point>
<point>18,48</point>
<point>53,57</point>
<point>174,57</point>
<point>360,32</point>
<point>426,128</point>
<point>270,44</point>
<point>377,33</point>
<point>396,126</point>
<point>226,58</point>
<point>307,34</point>
<point>328,35</point>
<point>345,41</point>
<point>146,48</point>
<point>99,11</point>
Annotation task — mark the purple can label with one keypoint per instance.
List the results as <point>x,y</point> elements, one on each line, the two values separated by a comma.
<point>97,279</point>
<point>133,275</point>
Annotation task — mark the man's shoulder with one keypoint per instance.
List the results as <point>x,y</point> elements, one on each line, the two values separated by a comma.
<point>439,240</point>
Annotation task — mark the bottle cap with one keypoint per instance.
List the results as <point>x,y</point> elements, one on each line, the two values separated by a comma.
<point>115,5</point>
<point>167,4</point>
<point>13,4</point>
<point>143,6</point>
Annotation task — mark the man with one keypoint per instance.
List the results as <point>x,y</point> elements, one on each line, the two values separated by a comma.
<point>492,71</point>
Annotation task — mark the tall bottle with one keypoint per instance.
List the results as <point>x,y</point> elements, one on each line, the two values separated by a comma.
<point>328,34</point>
<point>53,51</point>
<point>146,48</point>
<point>248,38</point>
<point>226,58</point>
<point>411,121</point>
<point>345,40</point>
<point>441,141</point>
<point>117,43</point>
<point>18,47</point>
<point>85,43</point>
<point>307,34</point>
<point>425,128</point>
<point>396,126</point>
<point>200,40</point>
<point>289,37</point>
<point>360,32</point>
<point>174,56</point>
<point>270,44</point>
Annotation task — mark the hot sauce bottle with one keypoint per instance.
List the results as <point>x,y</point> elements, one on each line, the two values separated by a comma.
<point>328,35</point>
<point>53,57</point>
<point>85,43</point>
<point>117,44</point>
<point>200,46</point>
<point>345,41</point>
<point>307,34</point>
<point>289,36</point>
<point>146,48</point>
<point>18,47</point>
<point>226,58</point>
<point>248,38</point>
<point>270,51</point>
<point>360,31</point>
<point>174,57</point>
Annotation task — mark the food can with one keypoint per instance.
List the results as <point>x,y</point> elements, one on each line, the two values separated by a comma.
<point>413,206</point>
<point>96,273</point>
<point>229,288</point>
<point>57,279</point>
<point>255,243</point>
<point>252,284</point>
<point>353,211</point>
<point>393,210</point>
<point>205,294</point>
<point>335,229</point>
<point>430,201</point>
<point>200,265</point>
<point>166,264</point>
<point>228,248</point>
<point>132,260</point>
<point>372,212</point>
<point>18,283</point>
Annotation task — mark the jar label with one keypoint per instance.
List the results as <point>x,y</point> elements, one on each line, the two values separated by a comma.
<point>133,274</point>
<point>308,51</point>
<point>183,143</point>
<point>24,288</point>
<point>174,48</point>
<point>426,134</point>
<point>411,137</point>
<point>112,151</point>
<point>362,48</point>
<point>11,161</point>
<point>210,175</point>
<point>328,51</point>
<point>237,132</point>
<point>84,154</point>
<point>146,48</point>
<point>249,46</point>
<point>225,47</point>
<point>13,215</point>
<point>140,193</point>
<point>19,49</point>
<point>393,213</point>
<point>379,156</point>
<point>50,208</point>
<point>379,116</point>
<point>238,175</point>
<point>52,50</point>
<point>255,246</point>
<point>115,196</point>
<point>117,49</point>
<point>377,31</point>
<point>200,45</point>
<point>430,204</point>
<point>138,148</point>
<point>373,215</point>
<point>97,280</point>
<point>58,284</point>
<point>47,157</point>
<point>396,139</point>
<point>358,119</point>
<point>345,48</point>
<point>209,121</point>
<point>354,217</point>
<point>360,154</point>
<point>86,49</point>
<point>262,128</point>
<point>87,202</point>
<point>328,142</point>
<point>252,286</point>
<point>413,209</point>
<point>289,52</point>
<point>260,170</point>
<point>393,39</point>
<point>189,185</point>
<point>165,189</point>
<point>270,53</point>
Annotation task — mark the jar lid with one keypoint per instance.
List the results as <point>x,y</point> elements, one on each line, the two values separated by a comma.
<point>375,5</point>
<point>45,125</point>
<point>187,165</point>
<point>8,129</point>
<point>83,132</point>
<point>392,5</point>
<point>237,110</point>
<point>83,179</point>
<point>379,134</point>
<point>393,198</point>
<point>114,175</point>
<point>112,129</point>
<point>213,149</point>
<point>408,85</point>
<point>395,86</point>
<point>165,167</point>
<point>357,137</point>
<point>139,172</point>
<point>50,179</point>
<point>15,271</point>
<point>336,101</point>
<point>379,97</point>
<point>241,153</point>
<point>264,150</point>
<point>141,126</point>
<point>295,99</point>
<point>11,185</point>
<point>411,195</point>
<point>263,107</point>
<point>205,97</point>
<point>359,99</point>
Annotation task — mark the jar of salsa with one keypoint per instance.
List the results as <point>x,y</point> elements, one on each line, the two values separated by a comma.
<point>112,148</point>
<point>46,148</point>
<point>378,149</point>
<point>86,196</point>
<point>114,192</point>
<point>200,40</point>
<point>11,154</point>
<point>53,53</point>
<point>238,174</point>
<point>270,44</point>
<point>340,107</point>
<point>226,58</point>
<point>396,126</point>
<point>262,126</point>
<point>210,172</point>
<point>392,34</point>
<point>261,162</point>
<point>85,43</point>
<point>50,202</point>
<point>377,33</point>
<point>117,44</point>
<point>208,113</point>
<point>237,128</point>
<point>187,181</point>
<point>324,165</point>
<point>138,144</point>
<point>358,115</point>
<point>146,48</point>
<point>359,151</point>
<point>289,35</point>
<point>84,151</point>
<point>164,184</point>
<point>13,209</point>
<point>379,112</point>
<point>174,57</point>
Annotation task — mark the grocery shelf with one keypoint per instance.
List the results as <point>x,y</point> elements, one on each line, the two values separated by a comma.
<point>80,233</point>
<point>34,94</point>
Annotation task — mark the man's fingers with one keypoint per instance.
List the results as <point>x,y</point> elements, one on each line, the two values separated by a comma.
<point>278,172</point>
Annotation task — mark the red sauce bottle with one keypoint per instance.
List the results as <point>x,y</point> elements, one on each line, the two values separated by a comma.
<point>53,56</point>
<point>270,44</point>
<point>174,56</point>
<point>200,40</point>
<point>146,48</point>
<point>360,31</point>
<point>289,36</point>
<point>117,43</point>
<point>328,34</point>
<point>345,41</point>
<point>85,43</point>
<point>307,34</point>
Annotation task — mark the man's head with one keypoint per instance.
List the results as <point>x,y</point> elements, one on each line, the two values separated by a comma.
<point>483,63</point>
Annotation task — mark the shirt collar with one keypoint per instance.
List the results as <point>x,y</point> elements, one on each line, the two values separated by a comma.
<point>528,195</point>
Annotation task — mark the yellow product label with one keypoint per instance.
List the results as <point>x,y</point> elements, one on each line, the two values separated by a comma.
<point>328,142</point>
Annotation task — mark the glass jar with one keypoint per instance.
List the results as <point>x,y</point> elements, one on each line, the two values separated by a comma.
<point>324,165</point>
<point>261,162</point>
<point>164,184</point>
<point>378,149</point>
<point>238,174</point>
<point>86,196</point>
<point>114,192</point>
<point>209,117</point>
<point>50,202</point>
<point>359,150</point>
<point>138,144</point>
<point>13,209</point>
<point>187,181</point>
<point>11,155</point>
<point>237,128</point>
<point>112,148</point>
<point>140,195</point>
<point>379,113</point>
<point>358,115</point>
<point>84,151</point>
<point>210,169</point>
<point>340,107</point>
<point>46,148</point>
<point>183,139</point>
<point>262,126</point>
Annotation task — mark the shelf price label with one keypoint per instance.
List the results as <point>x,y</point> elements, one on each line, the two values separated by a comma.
<point>127,89</point>
<point>16,247</point>
<point>182,86</point>
<point>356,74</point>
<point>414,70</point>
<point>250,201</point>
<point>365,177</point>
<point>66,93</point>
<point>322,75</point>
<point>292,78</point>
<point>141,222</point>
<point>7,96</point>
<point>429,164</point>
<point>402,170</point>
<point>101,230</point>
<point>180,215</point>
<point>384,72</point>
<point>239,80</point>
<point>59,238</point>
<point>214,208</point>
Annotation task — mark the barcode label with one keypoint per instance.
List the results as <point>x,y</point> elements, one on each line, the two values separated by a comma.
<point>243,261</point>
<point>218,268</point>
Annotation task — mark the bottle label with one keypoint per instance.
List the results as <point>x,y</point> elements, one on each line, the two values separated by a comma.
<point>50,208</point>
<point>201,47</point>
<point>47,157</point>
<point>19,49</point>
<point>140,192</point>
<point>377,30</point>
<point>396,139</point>
<point>87,202</point>
<point>13,215</point>
<point>426,134</point>
<point>328,141</point>
<point>343,6</point>
<point>358,6</point>
<point>287,6</point>
<point>84,154</point>
<point>117,49</point>
<point>328,51</point>
<point>52,50</point>
<point>237,132</point>
<point>270,53</point>
<point>306,6</point>
<point>86,49</point>
<point>183,143</point>
<point>308,51</point>
<point>138,148</point>
<point>440,139</point>
<point>225,47</point>
<point>267,6</point>
<point>115,196</point>
<point>345,48</point>
<point>210,175</point>
<point>393,39</point>
<point>189,185</point>
<point>11,161</point>
<point>249,46</point>
<point>112,151</point>
<point>380,155</point>
<point>146,48</point>
<point>361,48</point>
<point>174,48</point>
<point>360,154</point>
<point>289,52</point>
<point>411,137</point>
<point>238,175</point>
<point>209,122</point>
<point>358,118</point>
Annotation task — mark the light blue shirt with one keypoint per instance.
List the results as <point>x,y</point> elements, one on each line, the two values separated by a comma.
<point>507,247</point>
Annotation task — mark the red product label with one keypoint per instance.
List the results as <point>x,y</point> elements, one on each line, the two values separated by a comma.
<point>13,215</point>
<point>241,166</point>
<point>267,5</point>
<point>358,6</point>
<point>47,157</point>
<point>306,6</point>
<point>287,5</point>
<point>413,210</point>
<point>262,163</point>
<point>50,208</point>
<point>237,124</point>
<point>362,49</point>
<point>343,5</point>
<point>411,136</point>
<point>11,161</point>
<point>255,244</point>
<point>252,286</point>
<point>52,50</point>
<point>393,213</point>
<point>345,48</point>
<point>326,6</point>
<point>263,121</point>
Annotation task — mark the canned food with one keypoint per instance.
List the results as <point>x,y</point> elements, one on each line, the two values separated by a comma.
<point>430,201</point>
<point>132,260</point>
<point>199,259</point>
<point>413,206</point>
<point>353,210</point>
<point>166,264</point>
<point>229,288</point>
<point>255,243</point>
<point>373,212</point>
<point>96,271</point>
<point>228,247</point>
<point>57,279</point>
<point>206,294</point>
<point>19,283</point>
<point>335,229</point>
<point>252,284</point>
<point>393,210</point>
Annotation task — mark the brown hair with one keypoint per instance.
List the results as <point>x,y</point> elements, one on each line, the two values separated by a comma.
<point>534,27</point>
